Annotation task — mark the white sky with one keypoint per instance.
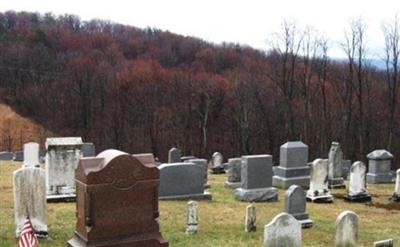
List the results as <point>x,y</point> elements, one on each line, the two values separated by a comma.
<point>246,22</point>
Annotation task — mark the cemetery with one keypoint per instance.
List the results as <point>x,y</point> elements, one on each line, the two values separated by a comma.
<point>129,200</point>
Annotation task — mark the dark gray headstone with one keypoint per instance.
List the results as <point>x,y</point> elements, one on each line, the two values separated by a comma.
<point>292,167</point>
<point>19,156</point>
<point>202,163</point>
<point>256,178</point>
<point>295,204</point>
<point>346,165</point>
<point>174,155</point>
<point>186,158</point>
<point>182,181</point>
<point>6,155</point>
<point>88,149</point>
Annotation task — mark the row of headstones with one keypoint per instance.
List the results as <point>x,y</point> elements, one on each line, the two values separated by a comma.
<point>88,150</point>
<point>33,186</point>
<point>285,228</point>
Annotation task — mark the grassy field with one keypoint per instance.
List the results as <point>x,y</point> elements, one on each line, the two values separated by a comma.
<point>221,221</point>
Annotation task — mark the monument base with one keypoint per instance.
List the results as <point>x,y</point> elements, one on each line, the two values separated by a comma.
<point>204,196</point>
<point>303,219</point>
<point>61,198</point>
<point>336,183</point>
<point>218,170</point>
<point>362,197</point>
<point>320,199</point>
<point>257,195</point>
<point>150,240</point>
<point>207,186</point>
<point>373,178</point>
<point>232,185</point>
<point>395,197</point>
<point>285,183</point>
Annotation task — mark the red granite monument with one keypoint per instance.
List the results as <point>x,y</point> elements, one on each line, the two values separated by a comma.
<point>116,202</point>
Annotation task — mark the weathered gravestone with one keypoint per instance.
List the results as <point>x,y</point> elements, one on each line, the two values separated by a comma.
<point>292,167</point>
<point>19,156</point>
<point>88,149</point>
<point>234,173</point>
<point>174,155</point>
<point>29,186</point>
<point>335,173</point>
<point>256,177</point>
<point>295,205</point>
<point>358,184</point>
<point>379,166</point>
<point>346,230</point>
<point>384,243</point>
<point>179,181</point>
<point>202,163</point>
<point>6,155</point>
<point>192,218</point>
<point>116,202</point>
<point>283,231</point>
<point>250,219</point>
<point>319,191</point>
<point>217,163</point>
<point>62,158</point>
<point>396,195</point>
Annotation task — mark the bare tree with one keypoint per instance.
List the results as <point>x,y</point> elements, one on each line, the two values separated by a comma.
<point>392,52</point>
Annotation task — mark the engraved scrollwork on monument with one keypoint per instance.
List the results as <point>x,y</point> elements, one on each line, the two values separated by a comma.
<point>121,179</point>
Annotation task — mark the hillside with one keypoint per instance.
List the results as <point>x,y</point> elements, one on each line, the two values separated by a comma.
<point>146,90</point>
<point>15,130</point>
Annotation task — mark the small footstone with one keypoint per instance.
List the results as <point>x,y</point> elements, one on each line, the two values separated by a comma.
<point>250,220</point>
<point>192,218</point>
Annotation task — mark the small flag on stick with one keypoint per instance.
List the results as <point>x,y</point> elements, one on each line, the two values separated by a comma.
<point>28,238</point>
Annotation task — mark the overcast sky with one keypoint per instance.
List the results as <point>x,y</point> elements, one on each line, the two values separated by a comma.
<point>248,22</point>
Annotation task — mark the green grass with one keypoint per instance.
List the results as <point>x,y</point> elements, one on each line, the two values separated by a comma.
<point>221,221</point>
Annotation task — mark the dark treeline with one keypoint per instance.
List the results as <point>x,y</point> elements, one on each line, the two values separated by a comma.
<point>146,90</point>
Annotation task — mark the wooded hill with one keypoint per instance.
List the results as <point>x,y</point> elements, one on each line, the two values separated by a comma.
<point>146,90</point>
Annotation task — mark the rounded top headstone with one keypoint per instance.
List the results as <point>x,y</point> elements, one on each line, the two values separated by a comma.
<point>380,154</point>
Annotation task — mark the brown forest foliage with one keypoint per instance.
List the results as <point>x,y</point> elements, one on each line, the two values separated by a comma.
<point>146,90</point>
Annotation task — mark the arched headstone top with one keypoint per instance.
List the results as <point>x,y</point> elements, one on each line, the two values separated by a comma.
<point>114,167</point>
<point>380,154</point>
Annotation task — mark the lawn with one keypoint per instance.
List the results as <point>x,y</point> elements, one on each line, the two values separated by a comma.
<point>221,221</point>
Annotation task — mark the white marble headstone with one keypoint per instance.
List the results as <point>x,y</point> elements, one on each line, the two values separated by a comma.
<point>29,186</point>
<point>346,229</point>
<point>397,185</point>
<point>283,231</point>
<point>31,154</point>
<point>217,159</point>
<point>357,184</point>
<point>192,217</point>
<point>319,178</point>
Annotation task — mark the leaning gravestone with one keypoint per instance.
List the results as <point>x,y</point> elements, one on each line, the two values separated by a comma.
<point>358,185</point>
<point>292,167</point>
<point>88,149</point>
<point>19,156</point>
<point>6,155</point>
<point>396,195</point>
<point>217,163</point>
<point>379,165</point>
<point>335,173</point>
<point>234,173</point>
<point>283,231</point>
<point>29,186</point>
<point>202,163</point>
<point>295,205</point>
<point>62,158</point>
<point>256,177</point>
<point>346,230</point>
<point>319,191</point>
<point>116,202</point>
<point>174,155</point>
<point>192,218</point>
<point>180,181</point>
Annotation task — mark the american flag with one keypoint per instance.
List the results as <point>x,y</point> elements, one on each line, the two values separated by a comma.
<point>28,238</point>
